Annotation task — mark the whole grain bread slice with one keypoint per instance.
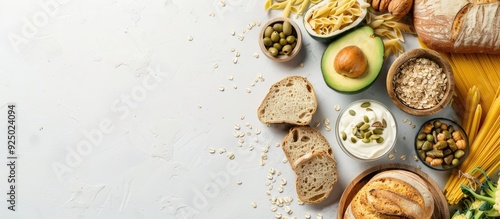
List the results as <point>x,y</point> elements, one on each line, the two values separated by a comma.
<point>316,176</point>
<point>302,140</point>
<point>291,100</point>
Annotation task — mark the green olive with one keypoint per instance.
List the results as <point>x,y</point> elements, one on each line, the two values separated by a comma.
<point>287,28</point>
<point>430,138</point>
<point>454,162</point>
<point>273,51</point>
<point>290,39</point>
<point>269,30</point>
<point>282,35</point>
<point>277,46</point>
<point>287,49</point>
<point>459,153</point>
<point>275,36</point>
<point>278,27</point>
<point>283,42</point>
<point>293,45</point>
<point>267,41</point>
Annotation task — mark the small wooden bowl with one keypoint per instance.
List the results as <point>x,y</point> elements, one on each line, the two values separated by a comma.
<point>296,31</point>
<point>421,53</point>
<point>441,209</point>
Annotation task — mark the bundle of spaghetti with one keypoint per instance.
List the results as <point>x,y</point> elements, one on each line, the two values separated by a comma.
<point>473,112</point>
<point>481,70</point>
<point>484,153</point>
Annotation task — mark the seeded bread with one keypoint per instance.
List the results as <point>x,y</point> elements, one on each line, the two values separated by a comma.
<point>392,194</point>
<point>291,100</point>
<point>302,140</point>
<point>316,176</point>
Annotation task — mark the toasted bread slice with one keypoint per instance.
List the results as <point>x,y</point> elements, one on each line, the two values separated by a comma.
<point>291,100</point>
<point>316,176</point>
<point>302,140</point>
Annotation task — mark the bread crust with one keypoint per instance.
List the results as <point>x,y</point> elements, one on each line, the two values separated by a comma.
<point>458,26</point>
<point>301,142</point>
<point>393,193</point>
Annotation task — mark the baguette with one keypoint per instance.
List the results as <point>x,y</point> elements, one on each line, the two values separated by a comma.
<point>303,140</point>
<point>458,26</point>
<point>291,100</point>
<point>316,176</point>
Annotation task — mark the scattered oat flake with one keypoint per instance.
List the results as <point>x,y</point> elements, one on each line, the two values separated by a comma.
<point>327,121</point>
<point>222,150</point>
<point>280,189</point>
<point>283,181</point>
<point>288,210</point>
<point>402,157</point>
<point>216,65</point>
<point>415,158</point>
<point>257,131</point>
<point>337,107</point>
<point>235,87</point>
<point>237,54</point>
<point>222,3</point>
<point>230,156</point>
<point>274,209</point>
<point>211,150</point>
<point>237,127</point>
<point>235,60</point>
<point>284,160</point>
<point>278,173</point>
<point>242,117</point>
<point>233,49</point>
<point>391,156</point>
<point>413,126</point>
<point>307,215</point>
<point>301,65</point>
<point>327,128</point>
<point>317,124</point>
<point>254,205</point>
<point>405,120</point>
<point>277,144</point>
<point>256,55</point>
<point>239,182</point>
<point>190,38</point>
<point>248,90</point>
<point>211,14</point>
<point>278,215</point>
<point>319,216</point>
<point>241,37</point>
<point>230,77</point>
<point>232,32</point>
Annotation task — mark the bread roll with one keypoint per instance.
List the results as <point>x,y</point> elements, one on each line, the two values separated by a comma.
<point>392,194</point>
<point>459,26</point>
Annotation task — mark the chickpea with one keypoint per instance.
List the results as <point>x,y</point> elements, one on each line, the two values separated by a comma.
<point>460,144</point>
<point>456,135</point>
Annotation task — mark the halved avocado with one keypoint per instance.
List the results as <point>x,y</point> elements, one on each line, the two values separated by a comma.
<point>372,47</point>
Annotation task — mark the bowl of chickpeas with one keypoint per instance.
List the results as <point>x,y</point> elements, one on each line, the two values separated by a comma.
<point>441,144</point>
<point>280,39</point>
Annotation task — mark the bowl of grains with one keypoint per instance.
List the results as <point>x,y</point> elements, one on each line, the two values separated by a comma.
<point>420,82</point>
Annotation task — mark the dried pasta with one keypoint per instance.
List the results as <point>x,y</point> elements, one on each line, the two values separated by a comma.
<point>335,15</point>
<point>390,29</point>
<point>296,7</point>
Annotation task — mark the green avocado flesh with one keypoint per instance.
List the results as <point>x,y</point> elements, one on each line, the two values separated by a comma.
<point>372,47</point>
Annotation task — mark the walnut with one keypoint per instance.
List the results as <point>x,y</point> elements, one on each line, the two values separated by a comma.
<point>384,4</point>
<point>400,8</point>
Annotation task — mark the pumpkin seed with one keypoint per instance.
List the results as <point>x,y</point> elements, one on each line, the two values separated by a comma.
<point>352,112</point>
<point>366,140</point>
<point>344,135</point>
<point>384,123</point>
<point>368,134</point>
<point>359,124</point>
<point>365,104</point>
<point>378,131</point>
<point>366,119</point>
<point>374,137</point>
<point>369,109</point>
<point>380,140</point>
<point>364,127</point>
<point>353,140</point>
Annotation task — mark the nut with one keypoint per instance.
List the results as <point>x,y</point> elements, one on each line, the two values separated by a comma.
<point>384,4</point>
<point>400,8</point>
<point>375,4</point>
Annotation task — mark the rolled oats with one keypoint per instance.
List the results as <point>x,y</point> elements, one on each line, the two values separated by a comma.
<point>420,83</point>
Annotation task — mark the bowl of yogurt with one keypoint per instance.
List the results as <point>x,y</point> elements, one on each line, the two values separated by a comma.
<point>366,130</point>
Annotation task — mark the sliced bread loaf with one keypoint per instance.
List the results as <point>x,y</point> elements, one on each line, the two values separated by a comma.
<point>302,140</point>
<point>291,100</point>
<point>316,176</point>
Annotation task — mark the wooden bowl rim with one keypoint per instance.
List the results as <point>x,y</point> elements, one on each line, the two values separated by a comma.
<point>434,56</point>
<point>441,205</point>
<point>280,58</point>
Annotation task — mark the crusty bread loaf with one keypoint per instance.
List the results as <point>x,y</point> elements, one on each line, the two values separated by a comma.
<point>291,100</point>
<point>316,177</point>
<point>459,26</point>
<point>392,194</point>
<point>302,140</point>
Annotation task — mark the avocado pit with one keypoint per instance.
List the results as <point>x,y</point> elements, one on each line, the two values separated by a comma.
<point>350,62</point>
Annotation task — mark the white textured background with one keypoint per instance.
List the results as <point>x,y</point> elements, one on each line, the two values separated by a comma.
<point>117,110</point>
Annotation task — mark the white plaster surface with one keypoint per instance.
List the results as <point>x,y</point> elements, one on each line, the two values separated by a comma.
<point>117,110</point>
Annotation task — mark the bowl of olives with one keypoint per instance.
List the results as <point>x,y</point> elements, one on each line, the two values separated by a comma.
<point>441,144</point>
<point>280,39</point>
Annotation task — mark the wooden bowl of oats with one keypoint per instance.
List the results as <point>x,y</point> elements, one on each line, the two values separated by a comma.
<point>420,82</point>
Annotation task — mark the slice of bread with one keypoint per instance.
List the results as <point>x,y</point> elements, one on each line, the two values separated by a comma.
<point>316,176</point>
<point>302,140</point>
<point>291,100</point>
